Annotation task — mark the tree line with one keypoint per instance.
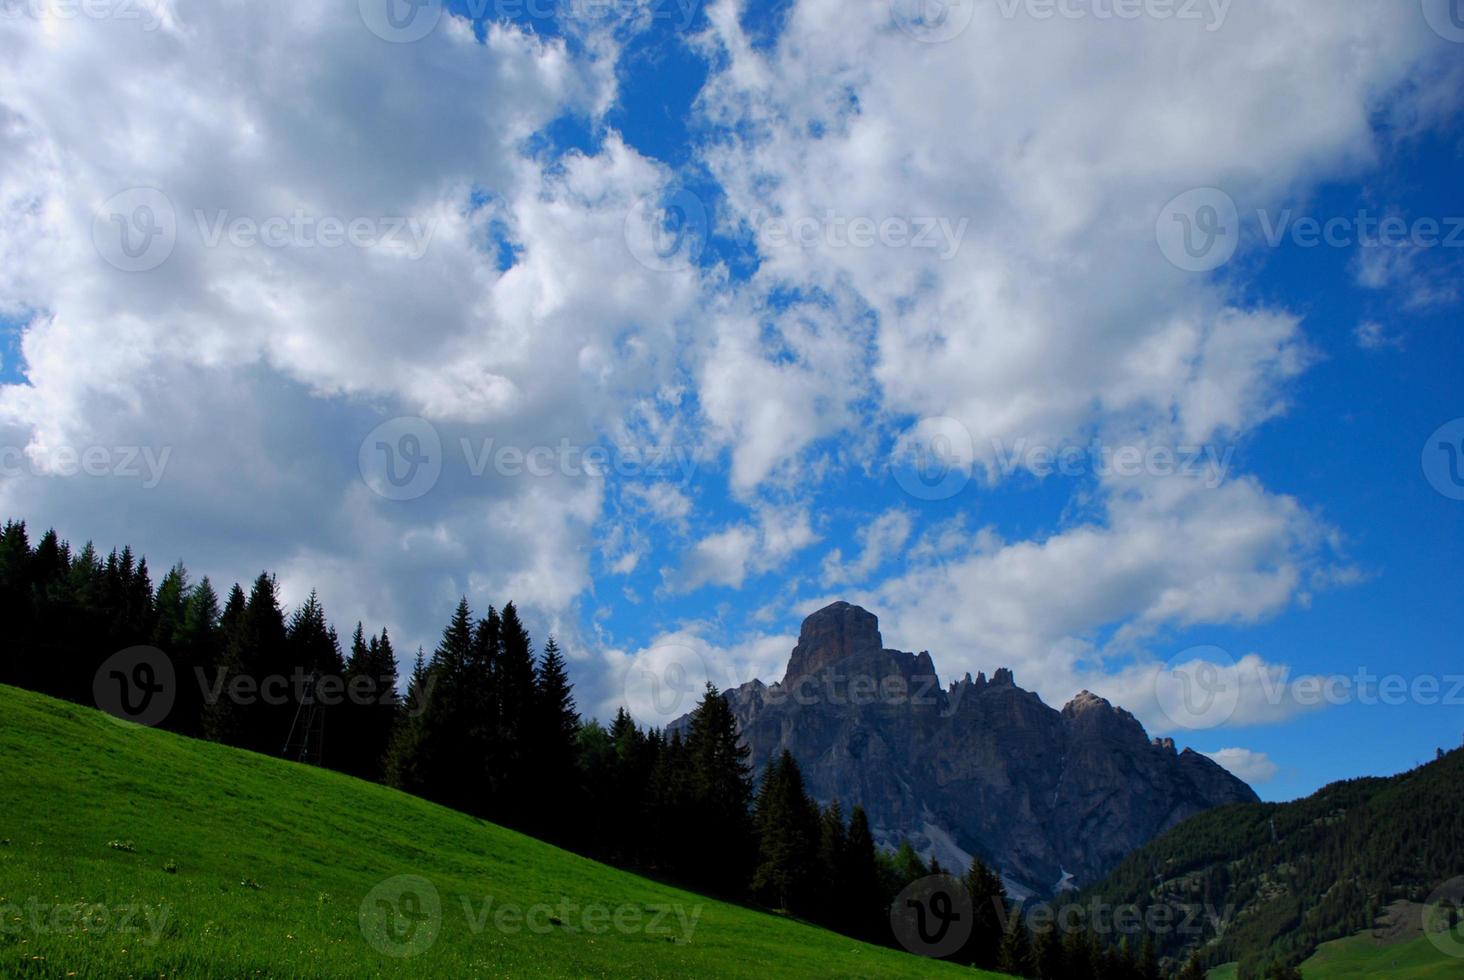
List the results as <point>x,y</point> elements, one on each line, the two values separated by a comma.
<point>490,727</point>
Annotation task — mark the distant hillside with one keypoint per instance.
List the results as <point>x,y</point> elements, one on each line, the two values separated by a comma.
<point>1277,880</point>
<point>127,851</point>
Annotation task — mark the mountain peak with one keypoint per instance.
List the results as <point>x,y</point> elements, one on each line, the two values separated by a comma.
<point>1086,701</point>
<point>836,632</point>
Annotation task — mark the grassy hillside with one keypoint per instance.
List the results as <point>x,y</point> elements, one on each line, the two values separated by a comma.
<point>1364,958</point>
<point>126,851</point>
<point>1283,879</point>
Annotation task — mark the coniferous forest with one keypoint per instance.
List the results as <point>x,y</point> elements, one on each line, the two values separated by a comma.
<point>487,724</point>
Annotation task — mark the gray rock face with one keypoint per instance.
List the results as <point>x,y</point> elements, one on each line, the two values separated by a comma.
<point>982,767</point>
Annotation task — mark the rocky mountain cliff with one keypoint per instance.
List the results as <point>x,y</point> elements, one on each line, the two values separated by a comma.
<point>982,767</point>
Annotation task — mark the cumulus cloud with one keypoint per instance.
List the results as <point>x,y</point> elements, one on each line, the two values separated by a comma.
<point>260,348</point>
<point>664,679</point>
<point>1253,767</point>
<point>729,556</point>
<point>879,542</point>
<point>496,295</point>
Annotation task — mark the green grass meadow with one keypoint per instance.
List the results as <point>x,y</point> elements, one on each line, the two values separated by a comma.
<point>130,852</point>
<point>1364,958</point>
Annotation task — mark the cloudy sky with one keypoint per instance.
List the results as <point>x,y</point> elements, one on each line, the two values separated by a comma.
<point>1098,340</point>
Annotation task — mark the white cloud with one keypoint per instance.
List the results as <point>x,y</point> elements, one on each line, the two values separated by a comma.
<point>1056,318</point>
<point>729,556</point>
<point>1058,312</point>
<point>1252,767</point>
<point>663,680</point>
<point>880,541</point>
<point>261,368</point>
<point>664,501</point>
<point>1372,335</point>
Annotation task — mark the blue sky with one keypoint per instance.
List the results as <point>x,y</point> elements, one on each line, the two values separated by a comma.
<point>605,204</point>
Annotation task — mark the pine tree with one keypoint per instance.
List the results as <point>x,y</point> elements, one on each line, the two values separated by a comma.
<point>238,715</point>
<point>1051,961</point>
<point>833,842</point>
<point>721,787</point>
<point>172,608</point>
<point>861,879</point>
<point>555,730</point>
<point>405,756</point>
<point>448,751</point>
<point>1015,955</point>
<point>671,806</point>
<point>1148,965</point>
<point>786,875</point>
<point>988,905</point>
<point>514,687</point>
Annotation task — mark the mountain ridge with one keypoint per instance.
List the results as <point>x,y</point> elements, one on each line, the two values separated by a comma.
<point>980,768</point>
